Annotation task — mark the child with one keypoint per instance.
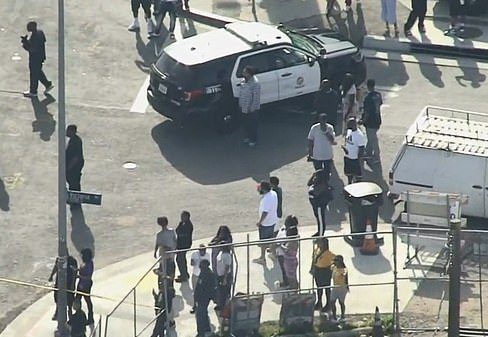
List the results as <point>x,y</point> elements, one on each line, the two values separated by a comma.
<point>341,286</point>
<point>290,261</point>
<point>78,320</point>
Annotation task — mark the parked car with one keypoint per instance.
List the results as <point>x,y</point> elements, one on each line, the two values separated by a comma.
<point>200,76</point>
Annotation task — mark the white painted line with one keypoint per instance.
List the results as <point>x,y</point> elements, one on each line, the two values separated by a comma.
<point>140,103</point>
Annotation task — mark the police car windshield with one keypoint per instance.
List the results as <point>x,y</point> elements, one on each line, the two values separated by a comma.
<point>303,42</point>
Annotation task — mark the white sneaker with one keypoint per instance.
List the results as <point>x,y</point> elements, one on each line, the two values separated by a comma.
<point>134,26</point>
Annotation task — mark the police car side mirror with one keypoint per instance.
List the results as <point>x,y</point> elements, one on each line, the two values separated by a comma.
<point>311,61</point>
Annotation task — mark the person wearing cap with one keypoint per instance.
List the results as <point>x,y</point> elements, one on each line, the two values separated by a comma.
<point>205,290</point>
<point>268,216</point>
<point>341,286</point>
<point>321,137</point>
<point>195,259</point>
<point>355,143</point>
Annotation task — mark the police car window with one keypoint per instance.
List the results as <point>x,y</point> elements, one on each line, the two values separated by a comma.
<point>260,62</point>
<point>293,57</point>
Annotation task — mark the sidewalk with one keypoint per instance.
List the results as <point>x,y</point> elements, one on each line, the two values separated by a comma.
<point>116,280</point>
<point>364,22</point>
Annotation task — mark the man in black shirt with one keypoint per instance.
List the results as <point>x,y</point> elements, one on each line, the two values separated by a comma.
<point>372,121</point>
<point>184,233</point>
<point>205,290</point>
<point>327,102</point>
<point>35,45</point>
<point>74,159</point>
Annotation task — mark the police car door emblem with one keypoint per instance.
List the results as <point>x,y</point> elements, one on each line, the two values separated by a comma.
<point>300,81</point>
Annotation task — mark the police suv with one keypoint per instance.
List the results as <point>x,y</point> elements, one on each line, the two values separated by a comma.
<point>200,76</point>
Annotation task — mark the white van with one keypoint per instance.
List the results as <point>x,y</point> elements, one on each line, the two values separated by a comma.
<point>445,150</point>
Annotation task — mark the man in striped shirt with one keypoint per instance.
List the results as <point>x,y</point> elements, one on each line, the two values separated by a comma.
<point>249,103</point>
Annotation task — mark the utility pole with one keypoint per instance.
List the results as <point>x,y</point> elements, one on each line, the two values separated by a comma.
<point>454,277</point>
<point>62,300</point>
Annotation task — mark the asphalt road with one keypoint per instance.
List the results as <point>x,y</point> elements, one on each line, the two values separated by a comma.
<point>212,176</point>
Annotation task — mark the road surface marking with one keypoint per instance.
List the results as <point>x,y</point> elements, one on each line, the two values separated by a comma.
<point>140,103</point>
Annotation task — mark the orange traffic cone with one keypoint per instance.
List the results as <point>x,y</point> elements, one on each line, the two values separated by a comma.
<point>369,242</point>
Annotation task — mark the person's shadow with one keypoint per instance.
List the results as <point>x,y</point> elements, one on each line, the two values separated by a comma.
<point>44,122</point>
<point>4,197</point>
<point>81,235</point>
<point>146,52</point>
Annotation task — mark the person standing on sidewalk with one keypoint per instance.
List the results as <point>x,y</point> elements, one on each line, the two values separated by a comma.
<point>268,217</point>
<point>195,259</point>
<point>36,46</point>
<point>184,232</point>
<point>341,286</point>
<point>321,137</point>
<point>223,235</point>
<point>78,321</point>
<point>353,151</point>
<point>166,7</point>
<point>389,16</point>
<point>85,282</point>
<point>74,158</point>
<point>70,283</point>
<point>250,103</point>
<point>327,102</point>
<point>349,98</point>
<point>290,249</point>
<point>275,186</point>
<point>224,276</point>
<point>372,121</point>
<point>457,11</point>
<point>165,241</point>
<point>205,291</point>
<point>419,9</point>
<point>322,260</point>
<point>146,6</point>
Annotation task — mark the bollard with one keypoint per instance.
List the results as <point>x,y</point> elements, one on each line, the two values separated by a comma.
<point>378,324</point>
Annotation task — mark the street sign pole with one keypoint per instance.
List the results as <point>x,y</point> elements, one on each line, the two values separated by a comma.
<point>454,278</point>
<point>62,330</point>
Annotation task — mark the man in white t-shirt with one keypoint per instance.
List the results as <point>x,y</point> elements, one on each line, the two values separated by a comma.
<point>320,141</point>
<point>353,151</point>
<point>224,276</point>
<point>268,216</point>
<point>196,257</point>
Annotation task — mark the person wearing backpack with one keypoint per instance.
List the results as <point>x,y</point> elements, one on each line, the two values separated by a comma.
<point>372,122</point>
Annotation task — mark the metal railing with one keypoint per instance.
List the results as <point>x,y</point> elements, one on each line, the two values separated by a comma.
<point>97,328</point>
<point>395,282</point>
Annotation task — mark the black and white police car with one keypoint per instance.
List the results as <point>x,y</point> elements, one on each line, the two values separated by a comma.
<point>200,76</point>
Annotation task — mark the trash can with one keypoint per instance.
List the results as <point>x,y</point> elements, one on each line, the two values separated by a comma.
<point>363,200</point>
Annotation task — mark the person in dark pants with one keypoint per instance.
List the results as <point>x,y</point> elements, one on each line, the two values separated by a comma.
<point>160,308</point>
<point>74,159</point>
<point>224,276</point>
<point>166,7</point>
<point>419,9</point>
<point>205,291</point>
<point>321,137</point>
<point>70,283</point>
<point>372,122</point>
<point>146,6</point>
<point>319,195</point>
<point>322,260</point>
<point>327,102</point>
<point>36,46</point>
<point>250,103</point>
<point>85,282</point>
<point>78,321</point>
<point>184,232</point>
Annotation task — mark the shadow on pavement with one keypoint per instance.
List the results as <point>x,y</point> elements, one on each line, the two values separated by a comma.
<point>81,235</point>
<point>375,175</point>
<point>209,158</point>
<point>371,264</point>
<point>427,64</point>
<point>4,197</point>
<point>44,122</point>
<point>146,52</point>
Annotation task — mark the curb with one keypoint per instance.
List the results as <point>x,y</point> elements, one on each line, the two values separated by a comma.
<point>403,45</point>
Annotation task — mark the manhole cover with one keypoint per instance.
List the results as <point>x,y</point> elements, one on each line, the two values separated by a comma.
<point>129,165</point>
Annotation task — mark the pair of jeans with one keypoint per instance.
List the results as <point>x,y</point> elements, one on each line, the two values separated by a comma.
<point>37,75</point>
<point>182,265</point>
<point>201,314</point>
<point>372,146</point>
<point>167,7</point>
<point>419,9</point>
<point>323,165</point>
<point>251,125</point>
<point>146,6</point>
